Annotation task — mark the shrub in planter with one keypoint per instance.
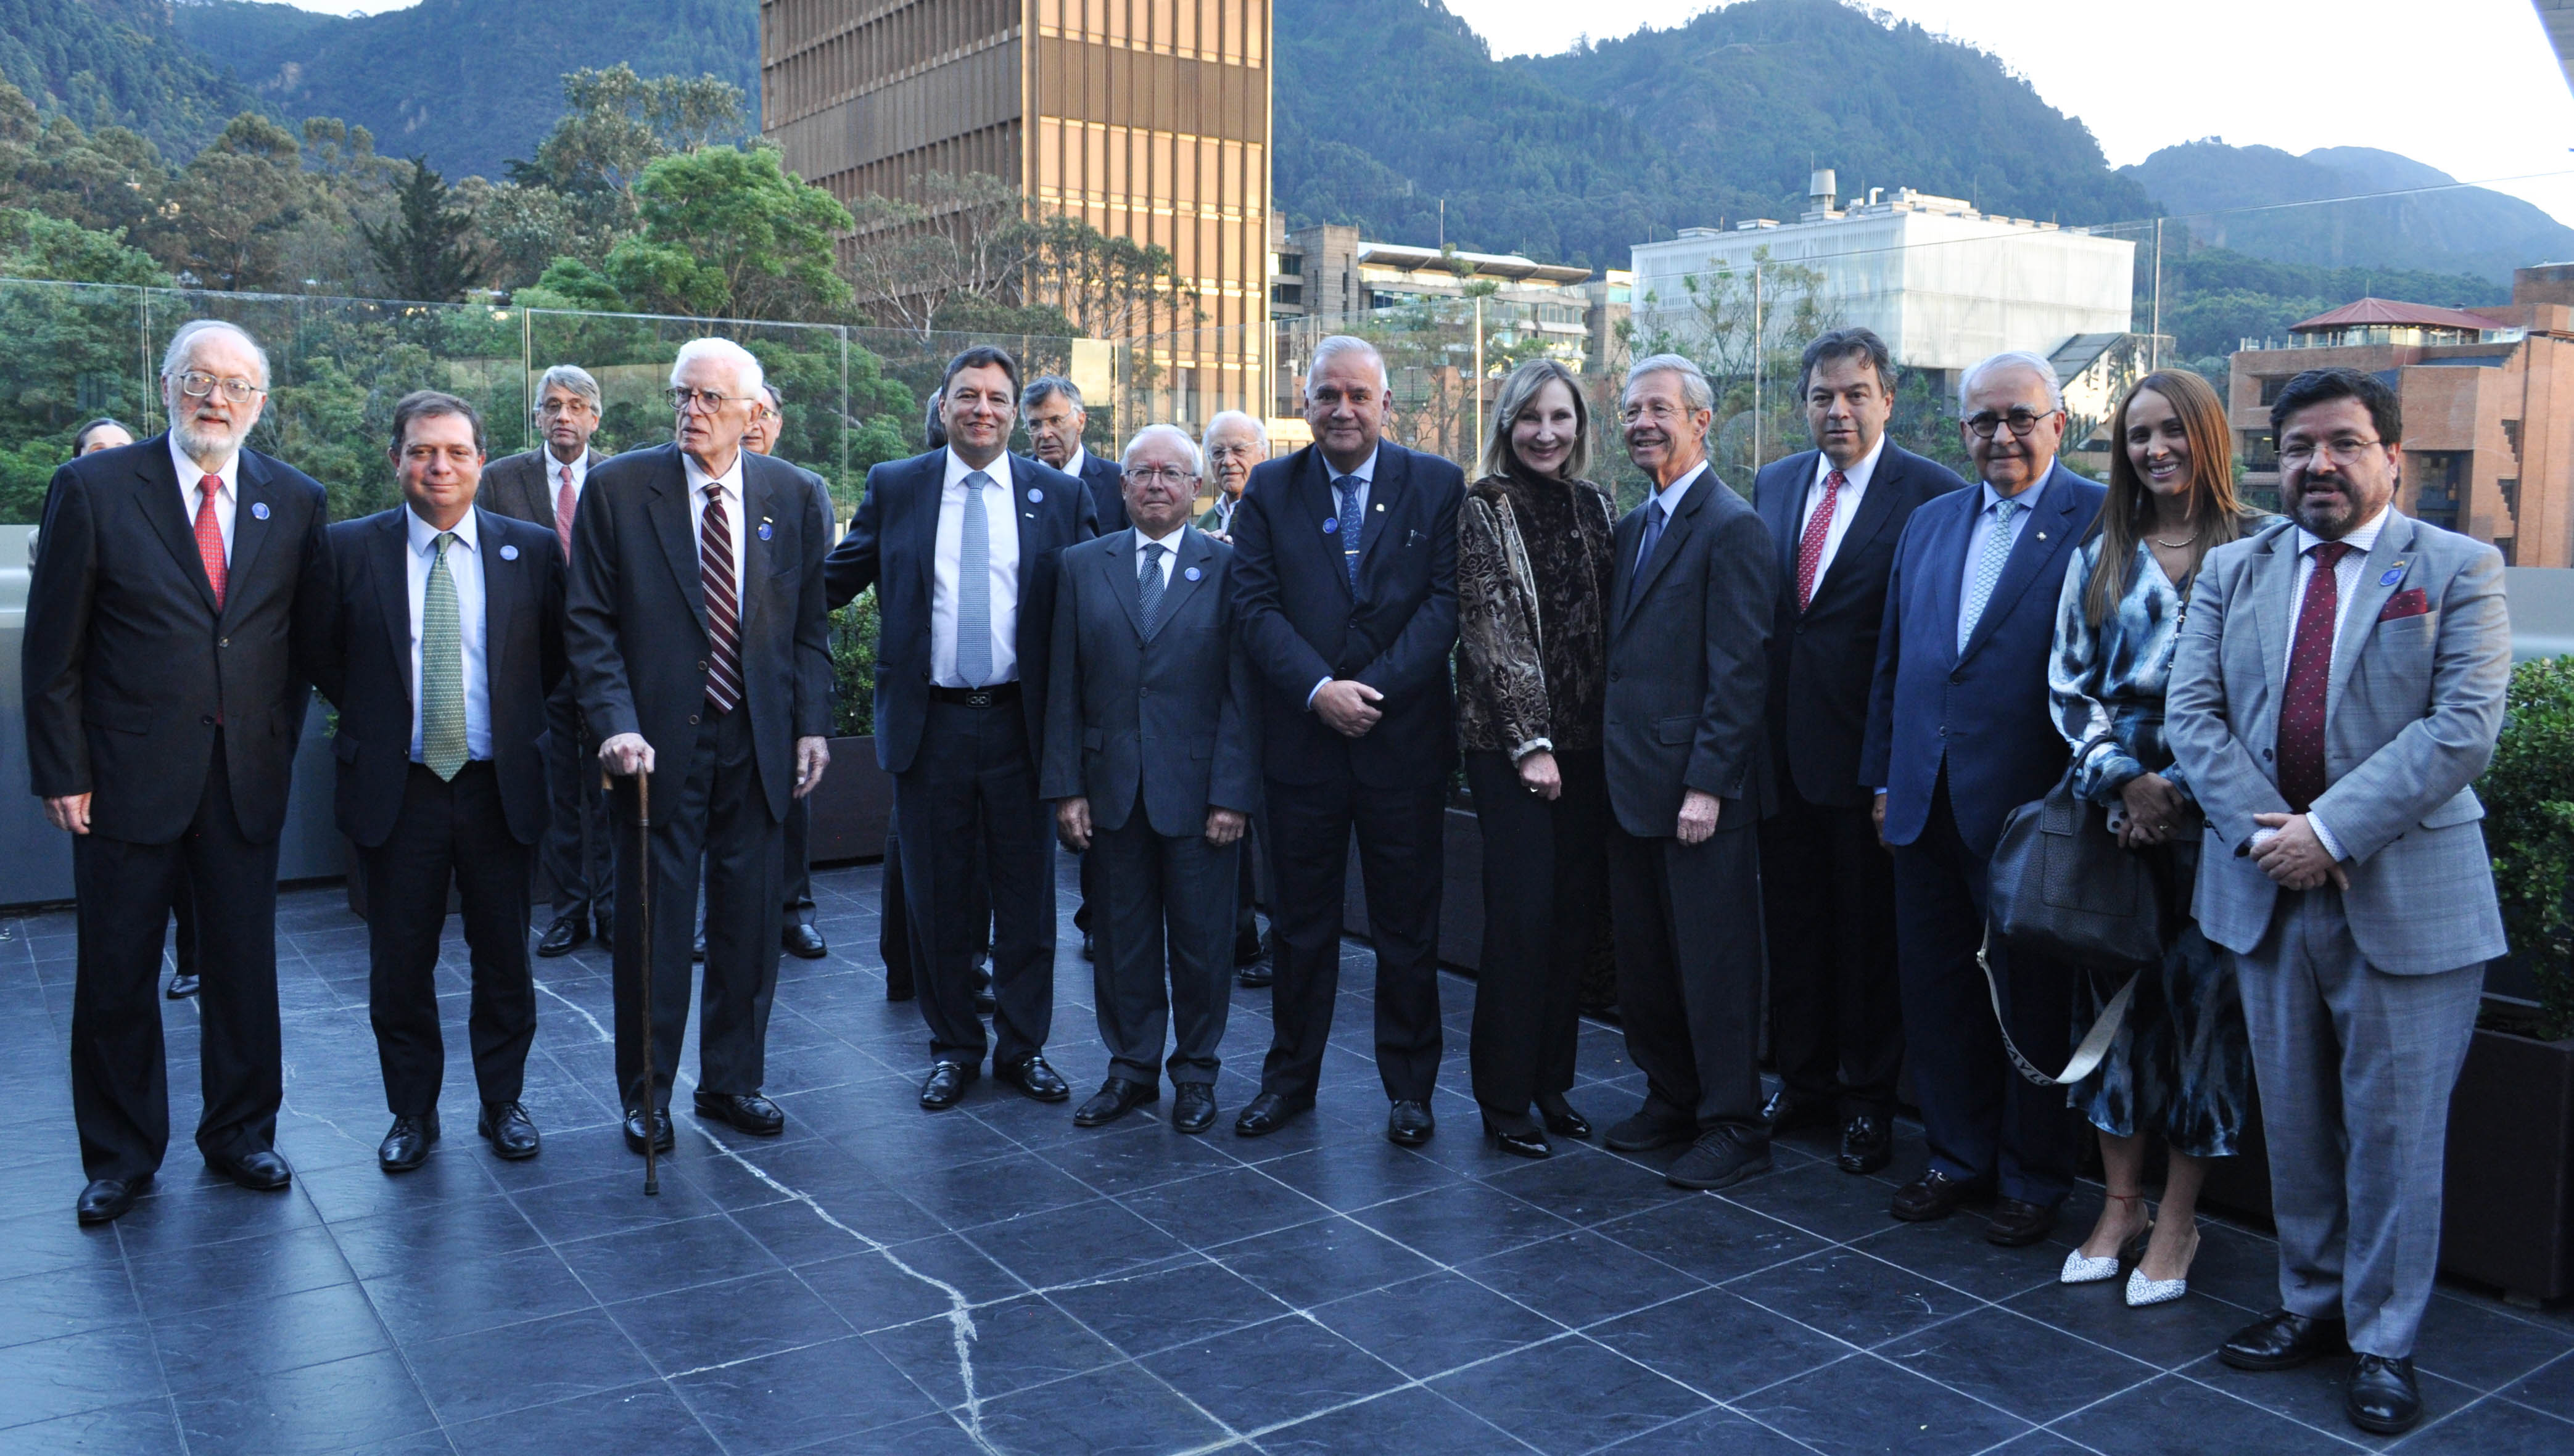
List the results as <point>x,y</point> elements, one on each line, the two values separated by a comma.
<point>853,667</point>
<point>2528,794</point>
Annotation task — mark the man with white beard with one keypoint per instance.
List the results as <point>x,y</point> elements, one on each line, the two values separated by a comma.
<point>182,587</point>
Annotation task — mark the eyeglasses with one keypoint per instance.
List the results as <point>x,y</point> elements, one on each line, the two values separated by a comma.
<point>196,384</point>
<point>1170,475</point>
<point>556,409</point>
<point>706,400</point>
<point>2345,450</point>
<point>2021,421</point>
<point>1228,452</point>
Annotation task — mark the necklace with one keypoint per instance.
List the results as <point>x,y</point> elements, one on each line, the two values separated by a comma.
<point>2177,544</point>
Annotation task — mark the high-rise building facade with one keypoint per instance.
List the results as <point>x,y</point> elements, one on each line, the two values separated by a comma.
<point>1148,119</point>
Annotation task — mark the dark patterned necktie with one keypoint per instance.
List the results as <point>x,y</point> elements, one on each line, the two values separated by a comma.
<point>724,605</point>
<point>1353,524</point>
<point>1810,552</point>
<point>1644,553</point>
<point>2301,710</point>
<point>1148,586</point>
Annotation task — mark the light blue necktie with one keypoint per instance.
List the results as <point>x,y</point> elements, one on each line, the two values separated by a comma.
<point>974,586</point>
<point>1148,587</point>
<point>1353,524</point>
<point>1988,570</point>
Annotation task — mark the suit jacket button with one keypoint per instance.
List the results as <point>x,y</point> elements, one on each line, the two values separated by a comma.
<point>1944,729</point>
<point>693,718</point>
<point>2265,755</point>
<point>222,641</point>
<point>207,718</point>
<point>1956,678</point>
<point>702,666</point>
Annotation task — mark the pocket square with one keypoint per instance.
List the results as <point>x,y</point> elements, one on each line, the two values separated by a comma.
<point>2405,604</point>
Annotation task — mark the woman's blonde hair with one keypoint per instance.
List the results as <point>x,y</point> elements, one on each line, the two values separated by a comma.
<point>1518,389</point>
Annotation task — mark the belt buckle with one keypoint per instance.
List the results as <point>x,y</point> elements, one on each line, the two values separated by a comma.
<point>978,698</point>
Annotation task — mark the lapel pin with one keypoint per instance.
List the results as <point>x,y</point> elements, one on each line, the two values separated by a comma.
<point>767,531</point>
<point>259,510</point>
<point>2041,536</point>
<point>1035,495</point>
<point>1380,506</point>
<point>2394,573</point>
<point>509,553</point>
<point>1191,574</point>
<point>1331,524</point>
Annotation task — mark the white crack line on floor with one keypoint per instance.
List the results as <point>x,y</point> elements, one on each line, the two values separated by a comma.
<point>579,1011</point>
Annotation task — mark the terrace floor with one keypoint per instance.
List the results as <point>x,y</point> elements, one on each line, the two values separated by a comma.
<point>883,1280</point>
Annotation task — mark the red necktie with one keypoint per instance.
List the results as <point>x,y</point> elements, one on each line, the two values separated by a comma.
<point>1810,551</point>
<point>724,609</point>
<point>565,501</point>
<point>210,537</point>
<point>2301,714</point>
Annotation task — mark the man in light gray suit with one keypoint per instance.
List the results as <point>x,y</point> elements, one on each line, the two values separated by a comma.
<point>2339,683</point>
<point>1148,759</point>
<point>543,485</point>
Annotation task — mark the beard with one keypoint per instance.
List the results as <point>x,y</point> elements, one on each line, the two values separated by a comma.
<point>198,441</point>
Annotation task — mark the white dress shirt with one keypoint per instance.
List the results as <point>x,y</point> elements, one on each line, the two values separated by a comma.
<point>580,473</point>
<point>730,489</point>
<point>2346,575</point>
<point>1170,546</point>
<point>1844,506</point>
<point>465,567</point>
<point>1001,513</point>
<point>1073,462</point>
<point>1366,477</point>
<point>190,472</point>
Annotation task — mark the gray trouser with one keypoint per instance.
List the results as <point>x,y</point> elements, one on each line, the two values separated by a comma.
<point>2355,1067</point>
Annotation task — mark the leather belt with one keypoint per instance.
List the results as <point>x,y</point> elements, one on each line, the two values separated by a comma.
<point>994,696</point>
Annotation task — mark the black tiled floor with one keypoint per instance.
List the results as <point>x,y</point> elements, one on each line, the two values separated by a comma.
<point>992,1279</point>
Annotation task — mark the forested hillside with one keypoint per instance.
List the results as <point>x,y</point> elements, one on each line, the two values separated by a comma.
<point>118,63</point>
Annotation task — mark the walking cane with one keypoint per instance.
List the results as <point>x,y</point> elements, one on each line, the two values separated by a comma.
<point>643,911</point>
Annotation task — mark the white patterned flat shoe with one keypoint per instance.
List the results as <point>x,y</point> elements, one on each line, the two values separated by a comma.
<point>2082,1270</point>
<point>2142,1292</point>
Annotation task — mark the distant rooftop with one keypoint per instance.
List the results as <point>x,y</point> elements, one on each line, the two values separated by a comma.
<point>2390,313</point>
<point>1509,266</point>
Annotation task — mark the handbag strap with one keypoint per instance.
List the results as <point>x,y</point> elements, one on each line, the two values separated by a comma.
<point>2087,1057</point>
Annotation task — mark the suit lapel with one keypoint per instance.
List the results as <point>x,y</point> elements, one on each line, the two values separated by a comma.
<point>759,508</point>
<point>501,588</point>
<point>251,525</point>
<point>1786,505</point>
<point>160,505</point>
<point>1117,561</point>
<point>1392,474</point>
<point>1945,558</point>
<point>1876,508</point>
<point>666,504</point>
<point>919,501</point>
<point>1195,552</point>
<point>2380,577</point>
<point>1314,505</point>
<point>389,562</point>
<point>2271,601</point>
<point>1674,533</point>
<point>2049,527</point>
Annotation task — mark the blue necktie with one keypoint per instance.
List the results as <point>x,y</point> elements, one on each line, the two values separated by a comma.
<point>1148,586</point>
<point>1644,553</point>
<point>1988,570</point>
<point>1353,522</point>
<point>974,586</point>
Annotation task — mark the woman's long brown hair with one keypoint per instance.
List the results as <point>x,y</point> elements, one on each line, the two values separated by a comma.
<point>2128,512</point>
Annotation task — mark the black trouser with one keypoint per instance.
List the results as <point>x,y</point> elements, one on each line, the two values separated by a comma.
<point>795,900</point>
<point>576,850</point>
<point>707,807</point>
<point>1546,879</point>
<point>1983,1119</point>
<point>1246,926</point>
<point>183,932</point>
<point>1836,1010</point>
<point>1399,835</point>
<point>893,920</point>
<point>1161,898</point>
<point>1687,920</point>
<point>973,785</point>
<point>448,829</point>
<point>120,1082</point>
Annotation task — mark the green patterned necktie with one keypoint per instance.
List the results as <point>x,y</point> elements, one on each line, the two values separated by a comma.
<point>442,669</point>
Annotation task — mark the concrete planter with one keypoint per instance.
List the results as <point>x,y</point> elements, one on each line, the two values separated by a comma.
<point>854,807</point>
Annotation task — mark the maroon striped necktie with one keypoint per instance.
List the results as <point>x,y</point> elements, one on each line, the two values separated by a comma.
<point>2301,706</point>
<point>724,605</point>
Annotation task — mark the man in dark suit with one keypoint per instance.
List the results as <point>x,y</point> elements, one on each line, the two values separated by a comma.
<point>1958,734</point>
<point>1827,885</point>
<point>447,642</point>
<point>964,545</point>
<point>797,935</point>
<point>1235,444</point>
<point>543,485</point>
<point>1052,410</point>
<point>165,674</point>
<point>695,629</point>
<point>1344,583</point>
<point>1148,759</point>
<point>1688,778</point>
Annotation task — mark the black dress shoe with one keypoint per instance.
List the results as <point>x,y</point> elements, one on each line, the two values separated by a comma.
<point>1934,1196</point>
<point>1785,1112</point>
<point>1649,1128</point>
<point>986,1003</point>
<point>407,1143</point>
<point>2284,1342</point>
<point>1032,1076</point>
<point>1561,1118</point>
<point>1090,946</point>
<point>1255,975</point>
<point>1520,1139</point>
<point>2018,1224</point>
<point>565,933</point>
<point>748,1112</point>
<point>947,1084</point>
<point>804,941</point>
<point>663,1139</point>
<point>106,1200</point>
<point>1116,1097</point>
<point>262,1171</point>
<point>1268,1113</point>
<point>1722,1157</point>
<point>1409,1123</point>
<point>2382,1398</point>
<point>508,1128</point>
<point>182,986</point>
<point>1194,1111</point>
<point>1868,1145</point>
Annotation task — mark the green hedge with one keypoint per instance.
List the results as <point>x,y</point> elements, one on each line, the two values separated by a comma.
<point>2528,794</point>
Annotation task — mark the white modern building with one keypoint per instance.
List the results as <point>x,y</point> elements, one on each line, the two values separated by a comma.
<point>1940,282</point>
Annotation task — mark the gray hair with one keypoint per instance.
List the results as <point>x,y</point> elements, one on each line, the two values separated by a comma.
<point>744,363</point>
<point>1225,417</point>
<point>1518,389</point>
<point>2011,359</point>
<point>1338,345</point>
<point>1696,392</point>
<point>182,346</point>
<point>1172,432</point>
<point>1045,387</point>
<point>573,377</point>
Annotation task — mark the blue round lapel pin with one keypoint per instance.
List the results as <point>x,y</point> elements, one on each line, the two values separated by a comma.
<point>259,510</point>
<point>1035,495</point>
<point>1330,525</point>
<point>1191,574</point>
<point>509,553</point>
<point>2391,577</point>
<point>767,531</point>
